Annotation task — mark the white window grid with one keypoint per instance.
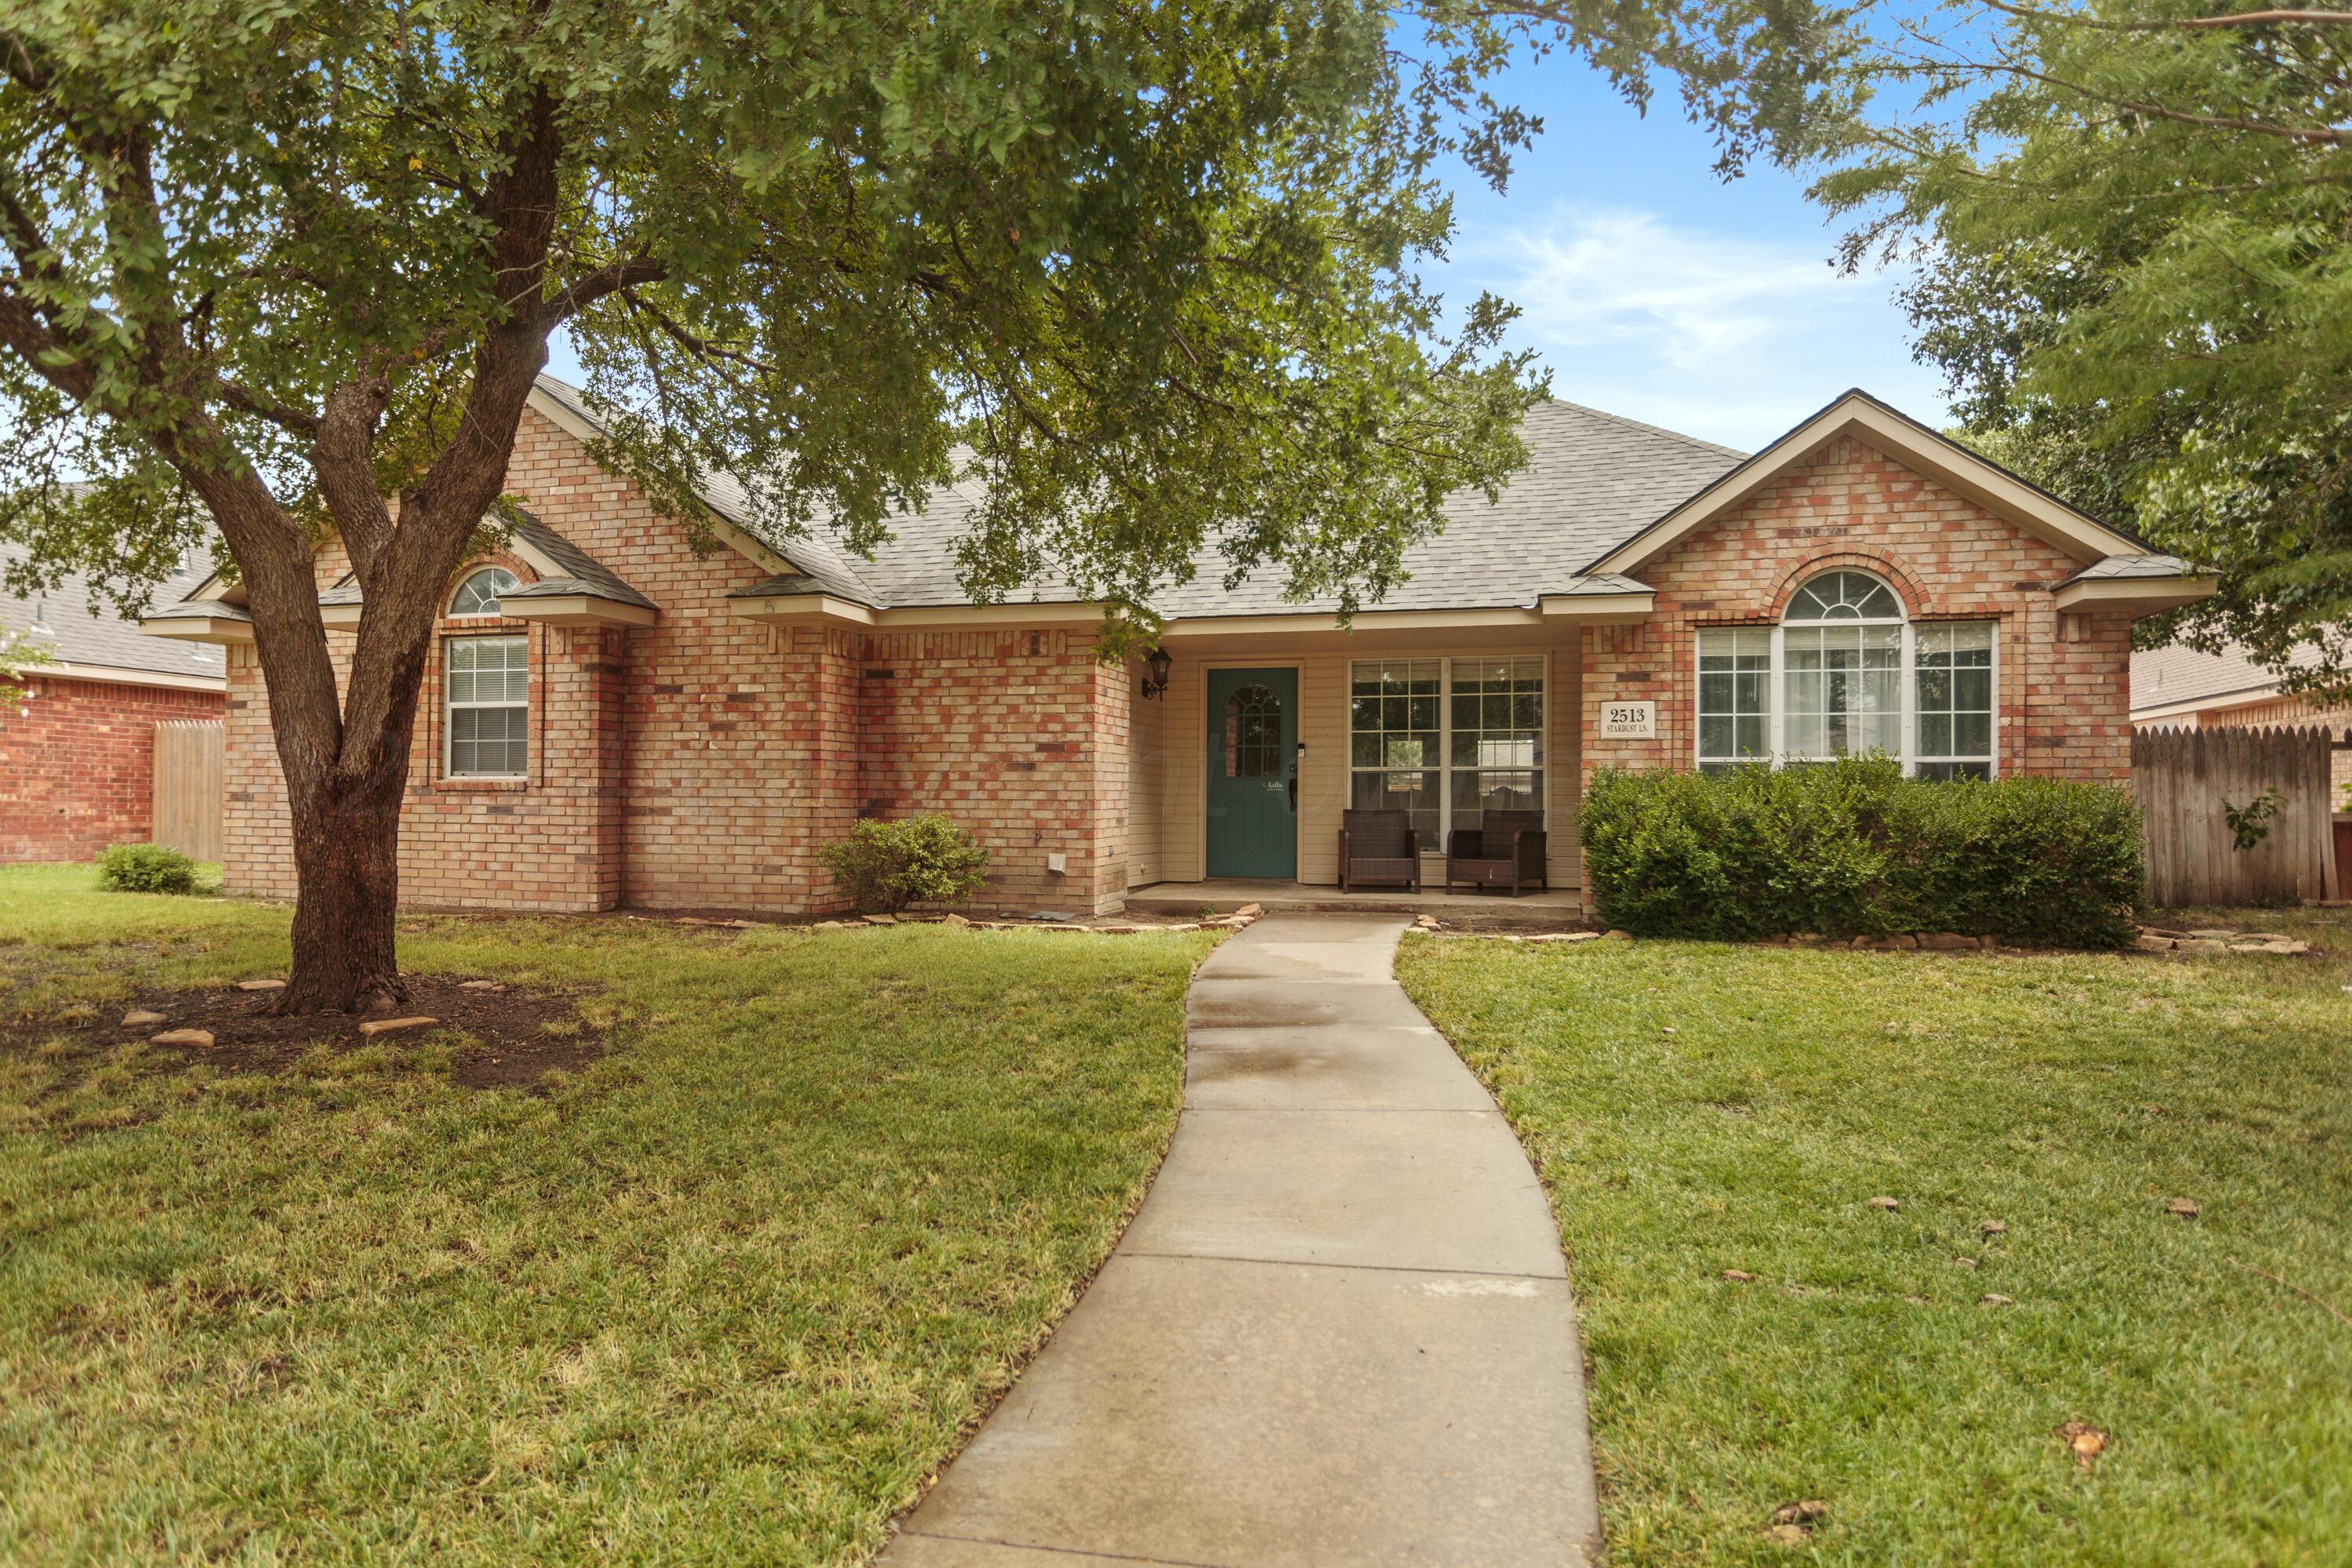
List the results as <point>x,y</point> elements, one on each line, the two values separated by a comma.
<point>1776,690</point>
<point>486,707</point>
<point>1442,765</point>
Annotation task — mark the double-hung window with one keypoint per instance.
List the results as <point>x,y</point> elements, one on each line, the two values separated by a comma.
<point>490,707</point>
<point>1446,740</point>
<point>1844,673</point>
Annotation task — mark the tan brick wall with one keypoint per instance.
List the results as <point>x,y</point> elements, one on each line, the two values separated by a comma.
<point>78,765</point>
<point>700,763</point>
<point>2064,681</point>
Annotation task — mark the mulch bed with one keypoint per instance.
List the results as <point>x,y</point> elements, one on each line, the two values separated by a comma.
<point>511,1049</point>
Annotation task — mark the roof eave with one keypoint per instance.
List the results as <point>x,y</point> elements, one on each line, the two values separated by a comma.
<point>2138,595</point>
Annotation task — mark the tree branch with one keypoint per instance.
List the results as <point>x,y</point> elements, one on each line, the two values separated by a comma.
<point>613,277</point>
<point>2183,24</point>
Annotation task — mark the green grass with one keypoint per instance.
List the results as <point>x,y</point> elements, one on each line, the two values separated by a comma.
<point>728,1295</point>
<point>2068,1096</point>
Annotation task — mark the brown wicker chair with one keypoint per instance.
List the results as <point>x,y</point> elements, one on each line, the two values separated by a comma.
<point>1379,846</point>
<point>1509,851</point>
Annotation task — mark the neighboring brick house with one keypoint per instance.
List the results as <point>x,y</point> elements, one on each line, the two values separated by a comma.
<point>2177,688</point>
<point>77,754</point>
<point>610,719</point>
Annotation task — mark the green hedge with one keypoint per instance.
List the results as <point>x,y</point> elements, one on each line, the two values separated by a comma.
<point>145,868</point>
<point>1854,848</point>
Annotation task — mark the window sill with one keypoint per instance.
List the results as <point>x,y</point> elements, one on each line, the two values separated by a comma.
<point>481,786</point>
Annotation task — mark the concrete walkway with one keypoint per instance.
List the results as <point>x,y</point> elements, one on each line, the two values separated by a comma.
<point>1339,1331</point>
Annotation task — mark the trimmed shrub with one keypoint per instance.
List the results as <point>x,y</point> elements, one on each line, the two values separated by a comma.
<point>886,866</point>
<point>145,868</point>
<point>1854,848</point>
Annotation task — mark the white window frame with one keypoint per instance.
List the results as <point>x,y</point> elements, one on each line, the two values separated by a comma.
<point>1775,686</point>
<point>483,571</point>
<point>451,707</point>
<point>1446,769</point>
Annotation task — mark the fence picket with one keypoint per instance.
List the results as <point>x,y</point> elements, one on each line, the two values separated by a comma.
<point>187,801</point>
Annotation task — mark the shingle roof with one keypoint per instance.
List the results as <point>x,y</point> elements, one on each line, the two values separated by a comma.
<point>1592,481</point>
<point>2117,568</point>
<point>103,640</point>
<point>2167,677</point>
<point>577,572</point>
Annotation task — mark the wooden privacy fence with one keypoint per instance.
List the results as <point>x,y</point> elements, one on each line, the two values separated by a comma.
<point>188,786</point>
<point>2187,780</point>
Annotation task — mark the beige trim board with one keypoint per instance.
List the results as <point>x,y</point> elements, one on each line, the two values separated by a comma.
<point>198,628</point>
<point>578,610</point>
<point>341,618</point>
<point>1953,465</point>
<point>2143,595</point>
<point>116,675</point>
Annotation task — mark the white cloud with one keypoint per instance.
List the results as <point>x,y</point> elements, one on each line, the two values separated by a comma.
<point>1721,335</point>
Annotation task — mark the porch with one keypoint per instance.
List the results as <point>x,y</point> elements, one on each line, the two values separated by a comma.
<point>1223,895</point>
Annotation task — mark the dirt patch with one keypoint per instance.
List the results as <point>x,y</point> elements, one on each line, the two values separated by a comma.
<point>518,1036</point>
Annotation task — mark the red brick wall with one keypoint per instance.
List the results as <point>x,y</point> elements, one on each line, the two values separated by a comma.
<point>700,763</point>
<point>2064,681</point>
<point>78,765</point>
<point>1012,733</point>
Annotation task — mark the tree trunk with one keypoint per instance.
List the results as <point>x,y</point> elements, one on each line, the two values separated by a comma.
<point>347,891</point>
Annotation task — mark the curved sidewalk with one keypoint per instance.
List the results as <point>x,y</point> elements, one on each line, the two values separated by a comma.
<point>1339,1331</point>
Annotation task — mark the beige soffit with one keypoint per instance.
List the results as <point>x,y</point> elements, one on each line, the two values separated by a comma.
<point>1946,462</point>
<point>112,675</point>
<point>557,413</point>
<point>576,610</point>
<point>1552,611</point>
<point>2143,595</point>
<point>200,626</point>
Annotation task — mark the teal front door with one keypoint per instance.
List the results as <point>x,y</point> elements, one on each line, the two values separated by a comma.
<point>1253,773</point>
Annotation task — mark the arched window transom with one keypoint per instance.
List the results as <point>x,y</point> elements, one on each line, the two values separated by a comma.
<point>1843,596</point>
<point>478,594</point>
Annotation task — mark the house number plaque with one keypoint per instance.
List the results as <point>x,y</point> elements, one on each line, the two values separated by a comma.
<point>1630,721</point>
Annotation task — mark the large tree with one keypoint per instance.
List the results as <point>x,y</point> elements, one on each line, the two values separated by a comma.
<point>282,268</point>
<point>2125,223</point>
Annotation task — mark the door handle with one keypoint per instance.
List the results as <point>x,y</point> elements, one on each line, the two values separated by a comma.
<point>1294,792</point>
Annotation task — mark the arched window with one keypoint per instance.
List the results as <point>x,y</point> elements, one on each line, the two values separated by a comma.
<point>1253,733</point>
<point>1841,669</point>
<point>1847,671</point>
<point>478,594</point>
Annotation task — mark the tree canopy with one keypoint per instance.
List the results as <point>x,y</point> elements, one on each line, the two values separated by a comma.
<point>283,267</point>
<point>2123,224</point>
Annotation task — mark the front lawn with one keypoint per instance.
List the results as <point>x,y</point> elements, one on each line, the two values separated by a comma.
<point>1697,1109</point>
<point>726,1293</point>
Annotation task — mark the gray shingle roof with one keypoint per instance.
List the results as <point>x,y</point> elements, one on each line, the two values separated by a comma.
<point>103,640</point>
<point>1592,481</point>
<point>577,572</point>
<point>2125,568</point>
<point>2165,677</point>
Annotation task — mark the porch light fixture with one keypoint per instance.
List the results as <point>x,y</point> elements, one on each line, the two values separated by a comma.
<point>1156,663</point>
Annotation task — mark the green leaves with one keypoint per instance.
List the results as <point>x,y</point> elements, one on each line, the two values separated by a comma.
<point>1148,272</point>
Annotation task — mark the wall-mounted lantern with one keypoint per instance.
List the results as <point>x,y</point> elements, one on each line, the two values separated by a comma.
<point>1156,665</point>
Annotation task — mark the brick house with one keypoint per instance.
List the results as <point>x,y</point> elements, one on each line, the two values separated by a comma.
<point>2181,688</point>
<point>77,754</point>
<point>611,720</point>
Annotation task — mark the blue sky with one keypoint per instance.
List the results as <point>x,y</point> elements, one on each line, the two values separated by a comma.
<point>1653,290</point>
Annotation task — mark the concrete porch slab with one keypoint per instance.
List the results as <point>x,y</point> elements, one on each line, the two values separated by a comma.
<point>1546,911</point>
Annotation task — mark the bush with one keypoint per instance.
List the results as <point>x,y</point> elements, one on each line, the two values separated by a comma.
<point>145,868</point>
<point>1854,848</point>
<point>886,866</point>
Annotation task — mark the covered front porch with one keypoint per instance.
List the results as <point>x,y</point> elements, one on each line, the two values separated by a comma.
<point>1258,736</point>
